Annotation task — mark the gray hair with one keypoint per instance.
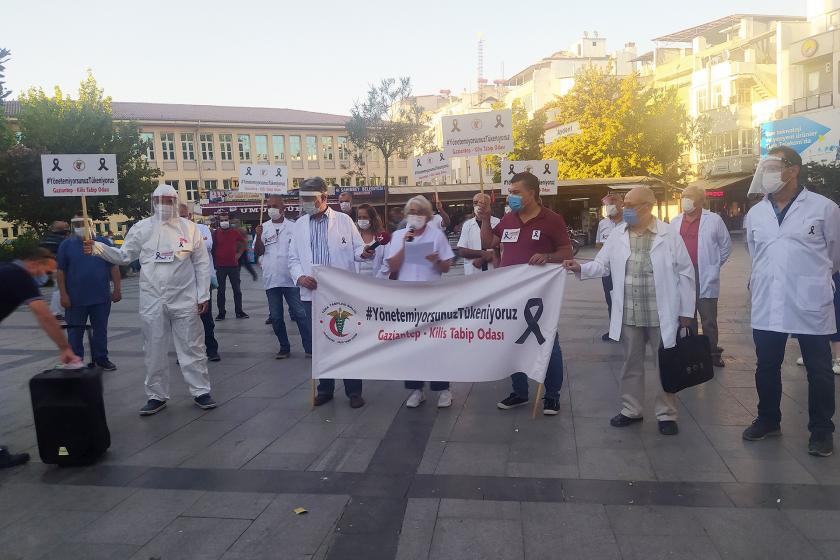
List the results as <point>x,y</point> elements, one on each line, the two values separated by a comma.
<point>422,202</point>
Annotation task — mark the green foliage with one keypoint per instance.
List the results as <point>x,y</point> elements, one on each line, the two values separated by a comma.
<point>19,247</point>
<point>823,178</point>
<point>62,125</point>
<point>527,137</point>
<point>6,136</point>
<point>626,129</point>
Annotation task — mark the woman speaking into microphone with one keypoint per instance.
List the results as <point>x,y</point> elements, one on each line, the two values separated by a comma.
<point>375,237</point>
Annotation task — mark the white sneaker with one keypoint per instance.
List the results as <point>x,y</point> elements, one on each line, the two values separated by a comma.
<point>415,399</point>
<point>835,366</point>
<point>800,361</point>
<point>445,398</point>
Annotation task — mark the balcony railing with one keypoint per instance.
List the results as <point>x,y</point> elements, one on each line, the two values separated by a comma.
<point>816,101</point>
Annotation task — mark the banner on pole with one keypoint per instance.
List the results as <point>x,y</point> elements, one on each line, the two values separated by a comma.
<point>545,170</point>
<point>481,327</point>
<point>268,179</point>
<point>79,174</point>
<point>478,134</point>
<point>431,165</point>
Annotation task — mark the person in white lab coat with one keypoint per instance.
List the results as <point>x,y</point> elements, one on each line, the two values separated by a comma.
<point>322,236</point>
<point>370,226</point>
<point>649,259</point>
<point>475,258</point>
<point>614,209</point>
<point>174,291</point>
<point>793,237</point>
<point>709,246</point>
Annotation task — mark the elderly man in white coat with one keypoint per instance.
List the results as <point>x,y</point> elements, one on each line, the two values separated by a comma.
<point>174,291</point>
<point>793,236</point>
<point>649,260</point>
<point>709,246</point>
<point>324,237</point>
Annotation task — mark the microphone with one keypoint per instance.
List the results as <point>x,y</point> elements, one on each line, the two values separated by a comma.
<point>410,235</point>
<point>382,238</point>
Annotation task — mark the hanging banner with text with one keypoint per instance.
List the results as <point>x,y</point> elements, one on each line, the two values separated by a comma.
<point>79,174</point>
<point>545,170</point>
<point>268,179</point>
<point>478,134</point>
<point>481,327</point>
<point>429,166</point>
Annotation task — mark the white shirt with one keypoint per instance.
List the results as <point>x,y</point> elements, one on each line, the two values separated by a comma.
<point>276,238</point>
<point>410,272</point>
<point>436,221</point>
<point>605,228</point>
<point>471,239</point>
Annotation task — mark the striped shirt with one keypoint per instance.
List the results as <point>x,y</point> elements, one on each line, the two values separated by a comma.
<point>318,238</point>
<point>639,290</point>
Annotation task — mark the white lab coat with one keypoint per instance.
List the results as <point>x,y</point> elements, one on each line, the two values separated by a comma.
<point>792,265</point>
<point>673,276</point>
<point>169,295</point>
<point>605,228</point>
<point>344,241</point>
<point>713,249</point>
<point>277,239</point>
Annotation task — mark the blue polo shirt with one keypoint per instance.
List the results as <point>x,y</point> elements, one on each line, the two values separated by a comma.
<point>86,277</point>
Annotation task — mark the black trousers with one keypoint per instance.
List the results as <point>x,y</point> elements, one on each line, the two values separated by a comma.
<point>223,273</point>
<point>606,281</point>
<point>209,330</point>
<point>352,387</point>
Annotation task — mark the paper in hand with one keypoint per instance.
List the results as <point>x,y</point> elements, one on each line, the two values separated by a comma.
<point>416,253</point>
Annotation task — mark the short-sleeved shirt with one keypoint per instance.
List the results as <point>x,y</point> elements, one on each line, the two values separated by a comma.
<point>225,243</point>
<point>18,288</point>
<point>87,278</point>
<point>544,233</point>
<point>471,239</point>
<point>410,272</point>
<point>690,232</point>
<point>640,309</point>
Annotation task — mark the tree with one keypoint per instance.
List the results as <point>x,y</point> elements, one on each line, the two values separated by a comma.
<point>527,137</point>
<point>823,178</point>
<point>60,124</point>
<point>626,129</point>
<point>6,136</point>
<point>389,121</point>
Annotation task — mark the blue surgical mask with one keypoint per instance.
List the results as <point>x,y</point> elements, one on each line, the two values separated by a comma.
<point>630,216</point>
<point>515,202</point>
<point>41,279</point>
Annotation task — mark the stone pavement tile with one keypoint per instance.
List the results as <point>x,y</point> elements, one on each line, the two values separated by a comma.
<point>578,531</point>
<point>620,492</point>
<point>346,455</point>
<point>431,456</point>
<point>38,532</point>
<point>825,470</point>
<point>816,525</point>
<point>233,505</point>
<point>550,458</point>
<point>86,498</point>
<point>307,438</point>
<point>194,538</point>
<point>417,529</point>
<point>757,534</point>
<point>181,445</point>
<point>781,469</point>
<point>139,518</point>
<point>479,509</point>
<point>473,458</point>
<point>542,470</point>
<point>784,496</point>
<point>829,549</point>
<point>280,533</point>
<point>597,432</point>
<point>654,520</point>
<point>91,551</point>
<point>477,539</point>
<point>238,409</point>
<point>714,405</point>
<point>232,451</point>
<point>678,547</point>
<point>483,428</point>
<point>697,463</point>
<point>281,461</point>
<point>615,464</point>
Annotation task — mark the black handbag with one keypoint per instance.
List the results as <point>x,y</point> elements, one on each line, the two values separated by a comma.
<point>687,364</point>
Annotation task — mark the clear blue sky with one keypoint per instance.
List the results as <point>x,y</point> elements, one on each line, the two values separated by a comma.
<point>316,55</point>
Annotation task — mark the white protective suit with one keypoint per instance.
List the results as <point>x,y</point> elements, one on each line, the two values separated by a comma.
<point>174,278</point>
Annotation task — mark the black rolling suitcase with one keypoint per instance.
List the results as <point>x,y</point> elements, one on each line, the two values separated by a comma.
<point>69,416</point>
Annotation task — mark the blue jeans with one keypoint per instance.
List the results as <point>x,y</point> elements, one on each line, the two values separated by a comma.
<point>296,313</point>
<point>816,351</point>
<point>553,375</point>
<point>77,317</point>
<point>352,387</point>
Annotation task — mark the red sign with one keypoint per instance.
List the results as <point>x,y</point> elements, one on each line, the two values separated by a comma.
<point>714,194</point>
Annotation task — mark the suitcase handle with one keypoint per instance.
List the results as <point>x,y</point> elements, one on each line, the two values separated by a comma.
<point>688,332</point>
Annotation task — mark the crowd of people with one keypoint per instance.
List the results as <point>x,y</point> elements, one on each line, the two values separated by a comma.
<point>657,278</point>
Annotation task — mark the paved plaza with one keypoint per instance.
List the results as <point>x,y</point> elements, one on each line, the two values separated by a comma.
<point>381,482</point>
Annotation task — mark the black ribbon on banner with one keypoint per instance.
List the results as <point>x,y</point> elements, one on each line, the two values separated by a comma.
<point>546,172</point>
<point>510,170</point>
<point>499,122</point>
<point>455,126</point>
<point>102,165</point>
<point>441,156</point>
<point>248,171</point>
<point>55,165</point>
<point>278,174</point>
<point>418,163</point>
<point>533,321</point>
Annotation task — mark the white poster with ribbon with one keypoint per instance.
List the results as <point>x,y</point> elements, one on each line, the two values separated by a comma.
<point>545,170</point>
<point>481,327</point>
<point>478,134</point>
<point>429,166</point>
<point>268,179</point>
<point>79,174</point>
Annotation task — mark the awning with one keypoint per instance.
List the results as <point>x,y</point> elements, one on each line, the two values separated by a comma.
<point>720,183</point>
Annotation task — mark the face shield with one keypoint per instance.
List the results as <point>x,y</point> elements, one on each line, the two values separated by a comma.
<point>165,203</point>
<point>768,176</point>
<point>310,202</point>
<point>78,226</point>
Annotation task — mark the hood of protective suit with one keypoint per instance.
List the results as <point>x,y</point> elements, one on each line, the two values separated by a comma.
<point>165,212</point>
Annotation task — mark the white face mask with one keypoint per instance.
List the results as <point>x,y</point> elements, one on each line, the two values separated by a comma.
<point>414,221</point>
<point>273,213</point>
<point>79,231</point>
<point>771,182</point>
<point>224,225</point>
<point>687,205</point>
<point>345,206</point>
<point>476,210</point>
<point>611,210</point>
<point>364,224</point>
<point>165,212</point>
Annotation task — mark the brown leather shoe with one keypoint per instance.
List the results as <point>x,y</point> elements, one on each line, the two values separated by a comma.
<point>322,399</point>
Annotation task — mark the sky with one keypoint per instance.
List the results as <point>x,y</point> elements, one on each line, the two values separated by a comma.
<point>316,55</point>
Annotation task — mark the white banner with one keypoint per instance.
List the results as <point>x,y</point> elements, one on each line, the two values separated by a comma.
<point>269,179</point>
<point>79,174</point>
<point>429,166</point>
<point>482,327</point>
<point>478,134</point>
<point>545,170</point>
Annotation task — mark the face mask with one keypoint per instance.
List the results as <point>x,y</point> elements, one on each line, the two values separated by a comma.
<point>611,210</point>
<point>363,224</point>
<point>476,210</point>
<point>515,202</point>
<point>415,222</point>
<point>345,206</point>
<point>630,216</point>
<point>224,225</point>
<point>771,182</point>
<point>79,231</point>
<point>308,207</point>
<point>688,205</point>
<point>165,211</point>
<point>41,279</point>
<point>273,213</point>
